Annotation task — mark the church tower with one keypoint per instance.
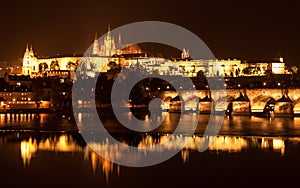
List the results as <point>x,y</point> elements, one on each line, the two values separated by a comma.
<point>30,64</point>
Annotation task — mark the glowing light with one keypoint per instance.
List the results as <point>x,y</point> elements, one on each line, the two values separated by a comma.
<point>28,149</point>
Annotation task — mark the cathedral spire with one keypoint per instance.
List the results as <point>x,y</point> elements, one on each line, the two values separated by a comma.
<point>96,36</point>
<point>108,32</point>
<point>108,29</point>
<point>95,45</point>
<point>120,39</point>
<point>119,42</point>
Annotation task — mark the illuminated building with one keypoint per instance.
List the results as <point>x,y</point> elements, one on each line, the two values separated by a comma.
<point>96,61</point>
<point>107,46</point>
<point>108,50</point>
<point>30,62</point>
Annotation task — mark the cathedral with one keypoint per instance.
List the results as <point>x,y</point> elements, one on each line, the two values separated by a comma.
<point>107,47</point>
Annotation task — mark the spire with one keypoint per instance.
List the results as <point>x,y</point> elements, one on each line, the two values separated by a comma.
<point>108,29</point>
<point>95,49</point>
<point>108,32</point>
<point>31,51</point>
<point>27,48</point>
<point>96,36</point>
<point>120,39</point>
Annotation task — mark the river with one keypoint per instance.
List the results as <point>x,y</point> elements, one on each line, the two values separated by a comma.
<point>48,151</point>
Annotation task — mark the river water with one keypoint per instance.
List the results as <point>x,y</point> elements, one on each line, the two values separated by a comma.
<point>48,151</point>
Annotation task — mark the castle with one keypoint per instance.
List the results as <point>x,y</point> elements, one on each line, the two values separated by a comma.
<point>107,50</point>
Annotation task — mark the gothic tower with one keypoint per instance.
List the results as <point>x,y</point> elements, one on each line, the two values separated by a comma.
<point>108,48</point>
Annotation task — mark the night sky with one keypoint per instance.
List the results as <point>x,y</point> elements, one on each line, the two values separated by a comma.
<point>248,30</point>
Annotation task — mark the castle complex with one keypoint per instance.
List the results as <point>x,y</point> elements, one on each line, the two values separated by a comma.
<point>21,91</point>
<point>109,50</point>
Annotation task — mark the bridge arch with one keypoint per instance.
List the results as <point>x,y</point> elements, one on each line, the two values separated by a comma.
<point>262,103</point>
<point>296,108</point>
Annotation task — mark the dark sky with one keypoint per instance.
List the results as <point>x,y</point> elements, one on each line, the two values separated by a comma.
<point>232,29</point>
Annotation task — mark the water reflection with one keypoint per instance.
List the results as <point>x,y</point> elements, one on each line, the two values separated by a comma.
<point>31,146</point>
<point>230,144</point>
<point>63,143</point>
<point>28,149</point>
<point>56,143</point>
<point>235,125</point>
<point>239,134</point>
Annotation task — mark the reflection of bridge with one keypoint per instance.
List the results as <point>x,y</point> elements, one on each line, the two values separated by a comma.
<point>246,101</point>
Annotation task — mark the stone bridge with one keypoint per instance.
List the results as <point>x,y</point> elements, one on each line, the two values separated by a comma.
<point>256,99</point>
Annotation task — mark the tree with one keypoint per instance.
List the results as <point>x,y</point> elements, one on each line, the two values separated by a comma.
<point>200,73</point>
<point>268,72</point>
<point>72,66</point>
<point>114,68</point>
<point>54,65</point>
<point>43,67</point>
